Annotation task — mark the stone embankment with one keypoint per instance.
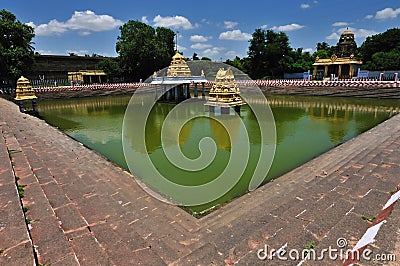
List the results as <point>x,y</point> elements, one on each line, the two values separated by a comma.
<point>63,204</point>
<point>341,88</point>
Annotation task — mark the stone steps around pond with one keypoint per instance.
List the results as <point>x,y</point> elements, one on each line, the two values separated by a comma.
<point>389,92</point>
<point>15,243</point>
<point>332,206</point>
<point>74,197</point>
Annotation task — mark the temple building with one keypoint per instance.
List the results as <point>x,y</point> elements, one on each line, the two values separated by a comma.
<point>224,93</point>
<point>344,63</point>
<point>175,87</point>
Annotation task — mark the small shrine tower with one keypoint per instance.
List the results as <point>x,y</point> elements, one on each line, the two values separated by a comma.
<point>224,93</point>
<point>175,87</point>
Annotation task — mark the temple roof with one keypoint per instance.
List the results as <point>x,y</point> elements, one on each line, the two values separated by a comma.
<point>178,67</point>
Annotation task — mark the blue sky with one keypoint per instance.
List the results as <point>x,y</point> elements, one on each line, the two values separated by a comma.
<point>216,29</point>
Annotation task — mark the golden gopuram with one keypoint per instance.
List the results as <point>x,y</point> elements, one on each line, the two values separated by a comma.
<point>175,86</point>
<point>343,64</point>
<point>25,92</point>
<point>224,94</point>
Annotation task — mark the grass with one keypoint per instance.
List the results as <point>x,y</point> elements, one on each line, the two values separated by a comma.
<point>311,245</point>
<point>21,190</point>
<point>365,218</point>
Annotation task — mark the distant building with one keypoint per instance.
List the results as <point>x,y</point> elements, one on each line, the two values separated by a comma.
<point>343,63</point>
<point>57,66</point>
<point>87,76</point>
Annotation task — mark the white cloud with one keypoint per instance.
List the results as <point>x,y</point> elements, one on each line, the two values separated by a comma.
<point>340,24</point>
<point>79,52</point>
<point>230,53</point>
<point>181,48</point>
<point>358,33</point>
<point>212,52</point>
<point>369,16</point>
<point>145,20</point>
<point>235,35</point>
<point>200,46</point>
<point>387,13</point>
<point>173,22</point>
<point>264,26</point>
<point>305,6</point>
<point>53,27</point>
<point>86,22</point>
<point>362,33</point>
<point>309,50</point>
<point>289,27</point>
<point>199,38</point>
<point>333,36</point>
<point>230,24</point>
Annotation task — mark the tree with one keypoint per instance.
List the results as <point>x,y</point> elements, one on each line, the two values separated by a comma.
<point>195,56</point>
<point>378,51</point>
<point>256,63</point>
<point>298,61</point>
<point>206,58</point>
<point>111,67</point>
<point>143,50</point>
<point>16,51</point>
<point>268,54</point>
<point>236,62</point>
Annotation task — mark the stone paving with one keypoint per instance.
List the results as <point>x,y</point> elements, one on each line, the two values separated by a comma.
<point>78,208</point>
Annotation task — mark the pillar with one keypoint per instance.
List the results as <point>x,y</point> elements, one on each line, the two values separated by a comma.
<point>196,93</point>
<point>188,91</point>
<point>203,94</point>
<point>326,71</point>
<point>351,71</point>
<point>169,94</point>
<point>340,71</point>
<point>176,93</point>
<point>315,71</point>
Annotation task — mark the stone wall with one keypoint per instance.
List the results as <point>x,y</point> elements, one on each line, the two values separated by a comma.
<point>58,66</point>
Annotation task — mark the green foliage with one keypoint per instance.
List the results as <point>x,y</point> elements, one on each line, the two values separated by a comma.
<point>311,245</point>
<point>21,190</point>
<point>365,218</point>
<point>237,62</point>
<point>195,56</point>
<point>205,58</point>
<point>298,61</point>
<point>111,67</point>
<point>382,51</point>
<point>16,52</point>
<point>266,55</point>
<point>143,49</point>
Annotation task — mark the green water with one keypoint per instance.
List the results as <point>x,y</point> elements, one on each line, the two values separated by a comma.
<point>305,128</point>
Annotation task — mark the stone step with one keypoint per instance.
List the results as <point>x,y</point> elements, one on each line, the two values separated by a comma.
<point>15,242</point>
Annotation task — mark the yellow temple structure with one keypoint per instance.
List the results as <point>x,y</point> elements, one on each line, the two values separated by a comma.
<point>343,64</point>
<point>25,92</point>
<point>87,76</point>
<point>178,67</point>
<point>175,86</point>
<point>224,93</point>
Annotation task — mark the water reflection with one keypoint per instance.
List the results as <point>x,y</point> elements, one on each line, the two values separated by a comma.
<point>306,127</point>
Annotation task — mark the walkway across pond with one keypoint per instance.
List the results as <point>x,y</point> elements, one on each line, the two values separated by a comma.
<point>78,208</point>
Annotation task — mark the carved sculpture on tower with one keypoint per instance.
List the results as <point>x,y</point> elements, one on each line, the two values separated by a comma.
<point>178,67</point>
